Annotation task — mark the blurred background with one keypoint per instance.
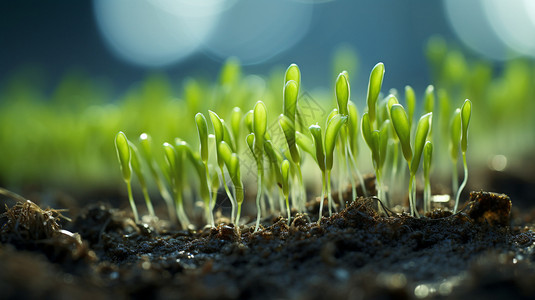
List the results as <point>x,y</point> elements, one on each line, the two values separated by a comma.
<point>73,73</point>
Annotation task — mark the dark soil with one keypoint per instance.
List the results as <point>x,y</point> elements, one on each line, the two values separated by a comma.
<point>479,253</point>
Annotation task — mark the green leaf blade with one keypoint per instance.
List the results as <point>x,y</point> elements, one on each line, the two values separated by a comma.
<point>400,122</point>
<point>202,130</point>
<point>315,130</point>
<point>420,137</point>
<point>342,92</point>
<point>331,134</point>
<point>466,113</point>
<point>455,134</point>
<point>289,103</point>
<point>374,88</point>
<point>123,155</point>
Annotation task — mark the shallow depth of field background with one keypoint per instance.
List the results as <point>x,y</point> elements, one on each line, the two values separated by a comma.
<point>73,73</point>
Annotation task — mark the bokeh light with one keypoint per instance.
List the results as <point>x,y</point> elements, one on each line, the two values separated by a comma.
<point>255,31</point>
<point>156,33</point>
<point>498,30</point>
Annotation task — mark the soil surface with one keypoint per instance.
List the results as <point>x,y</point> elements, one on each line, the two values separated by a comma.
<point>482,252</point>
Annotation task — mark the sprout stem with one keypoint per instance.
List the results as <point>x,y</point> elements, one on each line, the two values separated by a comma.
<point>288,209</point>
<point>229,195</point>
<point>329,195</point>
<point>412,196</point>
<point>463,184</point>
<point>150,208</point>
<point>208,210</point>
<point>427,195</point>
<point>302,189</point>
<point>259,193</point>
<point>238,213</point>
<point>165,195</point>
<point>131,200</point>
<point>322,196</point>
<point>181,214</point>
<point>348,166</point>
<point>395,157</point>
<point>454,179</point>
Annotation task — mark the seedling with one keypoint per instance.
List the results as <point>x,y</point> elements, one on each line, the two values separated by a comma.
<point>325,153</point>
<point>348,136</point>
<point>146,152</point>
<point>377,141</point>
<point>259,131</point>
<point>285,169</point>
<point>124,156</point>
<point>466,113</point>
<point>401,124</point>
<point>219,133</point>
<point>288,124</point>
<point>175,170</point>
<point>374,88</point>
<point>136,166</point>
<point>353,129</point>
<point>202,129</point>
<point>232,163</point>
<point>428,157</point>
<point>291,139</point>
<point>204,184</point>
<point>455,139</point>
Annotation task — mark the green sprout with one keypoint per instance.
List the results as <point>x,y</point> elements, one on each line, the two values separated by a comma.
<point>219,132</point>
<point>276,158</point>
<point>353,129</point>
<point>455,140</point>
<point>428,157</point>
<point>259,130</point>
<point>287,123</point>
<point>175,169</point>
<point>393,149</point>
<point>146,153</point>
<point>291,139</point>
<point>232,163</point>
<point>325,154</point>
<point>348,134</point>
<point>374,88</point>
<point>315,130</point>
<point>400,122</point>
<point>202,129</point>
<point>420,137</point>
<point>466,113</point>
<point>136,166</point>
<point>285,170</point>
<point>199,166</point>
<point>124,157</point>
<point>377,141</point>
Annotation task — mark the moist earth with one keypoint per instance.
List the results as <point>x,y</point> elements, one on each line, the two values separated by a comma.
<point>483,251</point>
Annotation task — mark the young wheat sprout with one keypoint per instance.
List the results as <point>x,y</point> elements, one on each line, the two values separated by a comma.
<point>136,166</point>
<point>146,152</point>
<point>123,155</point>
<point>466,113</point>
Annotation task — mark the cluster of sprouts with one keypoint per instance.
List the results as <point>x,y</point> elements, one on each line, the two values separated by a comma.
<point>332,144</point>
